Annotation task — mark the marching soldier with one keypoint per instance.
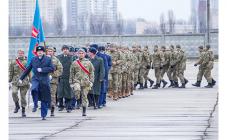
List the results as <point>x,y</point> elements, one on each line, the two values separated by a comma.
<point>172,68</point>
<point>137,65</point>
<point>181,66</point>
<point>41,66</point>
<point>82,78</point>
<point>54,77</point>
<point>147,66</point>
<point>16,67</point>
<point>157,65</point>
<point>165,65</point>
<point>207,62</point>
<point>141,67</point>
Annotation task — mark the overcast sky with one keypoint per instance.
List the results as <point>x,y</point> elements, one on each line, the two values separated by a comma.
<point>151,9</point>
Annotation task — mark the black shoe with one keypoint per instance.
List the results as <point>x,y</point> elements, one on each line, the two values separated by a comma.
<point>164,83</point>
<point>23,112</point>
<point>34,109</point>
<point>213,82</point>
<point>145,85</point>
<point>182,86</point>
<point>141,86</point>
<point>69,110</point>
<point>186,81</point>
<point>84,111</point>
<point>52,111</point>
<point>171,84</point>
<point>43,118</point>
<point>176,85</point>
<point>17,107</point>
<point>197,84</point>
<point>151,82</point>
<point>156,86</point>
<point>209,85</point>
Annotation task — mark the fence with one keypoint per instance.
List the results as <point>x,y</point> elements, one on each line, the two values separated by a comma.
<point>189,42</point>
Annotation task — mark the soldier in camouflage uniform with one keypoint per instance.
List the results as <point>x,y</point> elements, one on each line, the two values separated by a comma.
<point>172,68</point>
<point>54,77</point>
<point>146,64</point>
<point>157,65</point>
<point>141,69</point>
<point>114,72</point>
<point>207,63</point>
<point>137,65</point>
<point>120,71</point>
<point>16,67</point>
<point>166,55</point>
<point>181,66</point>
<point>131,67</point>
<point>82,78</point>
<point>124,69</point>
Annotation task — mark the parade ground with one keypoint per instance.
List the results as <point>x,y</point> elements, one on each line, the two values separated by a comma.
<point>150,114</point>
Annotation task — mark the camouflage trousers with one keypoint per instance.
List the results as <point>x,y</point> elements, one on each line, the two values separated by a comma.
<point>170,73</point>
<point>120,82</point>
<point>83,95</point>
<point>165,70</point>
<point>113,82</point>
<point>157,72</point>
<point>207,75</point>
<point>142,72</point>
<point>23,91</point>
<point>53,91</point>
<point>136,76</point>
<point>180,75</point>
<point>146,75</point>
<point>200,73</point>
<point>131,81</point>
<point>124,81</point>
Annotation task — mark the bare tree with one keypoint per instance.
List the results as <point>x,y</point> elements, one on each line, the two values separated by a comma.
<point>171,21</point>
<point>58,20</point>
<point>162,24</point>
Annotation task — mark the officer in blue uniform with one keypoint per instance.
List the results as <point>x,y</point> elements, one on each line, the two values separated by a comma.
<point>41,66</point>
<point>103,83</point>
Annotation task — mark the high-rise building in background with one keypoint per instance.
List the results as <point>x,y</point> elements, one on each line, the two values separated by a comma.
<point>91,16</point>
<point>21,14</point>
<point>199,15</point>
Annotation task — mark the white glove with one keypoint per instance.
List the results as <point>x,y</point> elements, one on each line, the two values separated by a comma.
<point>20,81</point>
<point>39,69</point>
<point>30,85</point>
<point>50,77</point>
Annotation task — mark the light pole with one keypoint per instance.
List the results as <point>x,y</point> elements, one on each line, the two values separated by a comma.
<point>208,21</point>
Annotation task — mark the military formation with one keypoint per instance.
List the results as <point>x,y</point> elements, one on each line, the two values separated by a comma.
<point>85,76</point>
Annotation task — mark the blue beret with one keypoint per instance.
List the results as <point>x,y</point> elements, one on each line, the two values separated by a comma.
<point>101,48</point>
<point>71,49</point>
<point>85,49</point>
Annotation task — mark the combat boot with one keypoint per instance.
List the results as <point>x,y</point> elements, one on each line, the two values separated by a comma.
<point>171,84</point>
<point>151,82</point>
<point>164,83</point>
<point>175,85</point>
<point>197,84</point>
<point>52,111</point>
<point>182,86</point>
<point>141,86</point>
<point>110,94</point>
<point>78,104</point>
<point>209,85</point>
<point>145,84</point>
<point>156,86</point>
<point>213,82</point>
<point>84,111</point>
<point>115,97</point>
<point>17,107</point>
<point>23,112</point>
<point>186,81</point>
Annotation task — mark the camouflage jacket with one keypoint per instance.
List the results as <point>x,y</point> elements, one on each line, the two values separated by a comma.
<point>208,59</point>
<point>166,55</point>
<point>116,62</point>
<point>181,60</point>
<point>77,75</point>
<point>58,70</point>
<point>158,59</point>
<point>15,71</point>
<point>145,59</point>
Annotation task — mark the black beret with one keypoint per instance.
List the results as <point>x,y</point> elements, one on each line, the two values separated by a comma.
<point>40,48</point>
<point>93,50</point>
<point>76,49</point>
<point>71,49</point>
<point>101,48</point>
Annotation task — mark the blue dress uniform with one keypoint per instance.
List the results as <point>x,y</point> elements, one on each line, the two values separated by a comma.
<point>40,81</point>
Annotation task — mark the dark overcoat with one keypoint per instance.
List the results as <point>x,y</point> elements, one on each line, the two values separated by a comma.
<point>40,80</point>
<point>64,90</point>
<point>98,74</point>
